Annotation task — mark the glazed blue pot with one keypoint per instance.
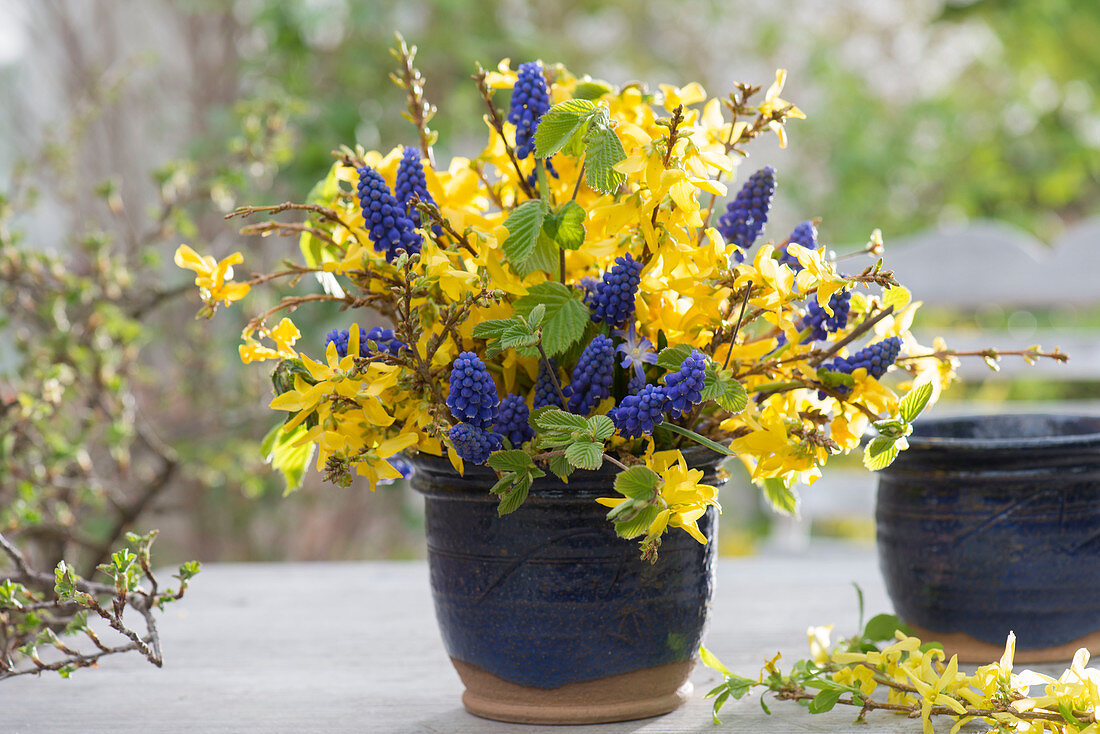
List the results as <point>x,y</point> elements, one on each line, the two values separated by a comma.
<point>549,599</point>
<point>991,524</point>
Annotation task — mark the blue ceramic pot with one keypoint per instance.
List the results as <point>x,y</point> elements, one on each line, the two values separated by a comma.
<point>549,599</point>
<point>991,524</point>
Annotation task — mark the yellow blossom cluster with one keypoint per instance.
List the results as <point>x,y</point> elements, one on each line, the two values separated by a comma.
<point>680,148</point>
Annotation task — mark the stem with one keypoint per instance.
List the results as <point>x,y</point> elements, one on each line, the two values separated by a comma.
<point>420,111</point>
<point>580,178</point>
<point>498,125</point>
<point>737,329</point>
<point>552,372</point>
<point>616,462</point>
<point>856,333</point>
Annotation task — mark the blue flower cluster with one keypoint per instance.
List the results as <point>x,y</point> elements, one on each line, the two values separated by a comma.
<point>746,215</point>
<point>384,338</point>
<point>820,322</point>
<point>613,298</point>
<point>592,376</point>
<point>876,359</point>
<point>641,413</point>
<point>804,234</point>
<point>684,387</point>
<point>530,101</point>
<point>390,227</point>
<point>545,392</point>
<point>512,420</point>
<point>473,394</point>
<point>410,180</point>
<point>473,443</point>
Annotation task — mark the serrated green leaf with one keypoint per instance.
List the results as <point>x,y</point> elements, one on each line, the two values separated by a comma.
<point>880,453</point>
<point>915,401</point>
<point>671,358</point>
<point>602,152</point>
<point>513,460</point>
<point>600,427</point>
<point>491,329</point>
<point>544,257</point>
<point>592,89</point>
<point>585,454</point>
<point>637,482</point>
<point>566,226</point>
<point>734,399</point>
<point>561,467</point>
<point>557,419</point>
<point>535,317</point>
<point>566,315</point>
<point>825,701</point>
<point>781,497</point>
<point>559,123</point>
<point>516,496</point>
<point>638,524</point>
<point>524,225</point>
<point>517,335</point>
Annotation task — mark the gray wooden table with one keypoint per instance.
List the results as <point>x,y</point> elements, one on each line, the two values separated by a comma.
<point>335,647</point>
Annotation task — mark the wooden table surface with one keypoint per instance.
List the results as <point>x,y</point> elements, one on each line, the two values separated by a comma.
<point>353,647</point>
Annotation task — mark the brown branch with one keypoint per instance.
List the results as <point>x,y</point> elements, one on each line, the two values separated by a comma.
<point>290,229</point>
<point>497,123</point>
<point>412,81</point>
<point>324,211</point>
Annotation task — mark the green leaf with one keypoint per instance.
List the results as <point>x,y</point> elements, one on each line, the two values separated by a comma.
<point>559,123</point>
<point>491,329</point>
<point>289,460</point>
<point>511,501</point>
<point>825,700</point>
<point>514,460</point>
<point>780,496</point>
<point>880,453</point>
<point>881,627</point>
<point>524,225</point>
<point>638,524</point>
<point>561,467</point>
<point>734,399</point>
<point>566,315</point>
<point>592,89</point>
<point>835,379</point>
<point>566,226</point>
<point>516,335</point>
<point>603,151</point>
<point>637,482</point>
<point>557,419</point>
<point>535,317</point>
<point>710,660</point>
<point>600,427</point>
<point>585,454</point>
<point>915,401</point>
<point>703,440</point>
<point>671,358</point>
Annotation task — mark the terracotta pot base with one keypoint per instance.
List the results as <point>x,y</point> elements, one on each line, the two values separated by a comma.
<point>638,695</point>
<point>971,650</point>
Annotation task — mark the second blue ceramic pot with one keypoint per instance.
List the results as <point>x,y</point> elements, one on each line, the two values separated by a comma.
<point>991,524</point>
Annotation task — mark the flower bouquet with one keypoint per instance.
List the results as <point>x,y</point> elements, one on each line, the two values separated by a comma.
<point>575,300</point>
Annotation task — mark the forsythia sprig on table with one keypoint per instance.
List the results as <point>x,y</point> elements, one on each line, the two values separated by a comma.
<point>915,678</point>
<point>573,295</point>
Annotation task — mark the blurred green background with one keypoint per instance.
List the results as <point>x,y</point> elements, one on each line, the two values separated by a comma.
<point>921,113</point>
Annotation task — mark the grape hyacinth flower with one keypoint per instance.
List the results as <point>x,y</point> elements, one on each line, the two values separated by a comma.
<point>473,443</point>
<point>512,420</point>
<point>639,414</point>
<point>545,392</point>
<point>591,381</point>
<point>384,217</point>
<point>876,359</point>
<point>804,234</point>
<point>613,300</point>
<point>410,180</point>
<point>473,394</point>
<point>383,338</point>
<point>530,101</point>
<point>588,284</point>
<point>820,322</point>
<point>685,386</point>
<point>636,354</point>
<point>748,212</point>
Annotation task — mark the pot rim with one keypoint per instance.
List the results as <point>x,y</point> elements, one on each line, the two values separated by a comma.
<point>1084,440</point>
